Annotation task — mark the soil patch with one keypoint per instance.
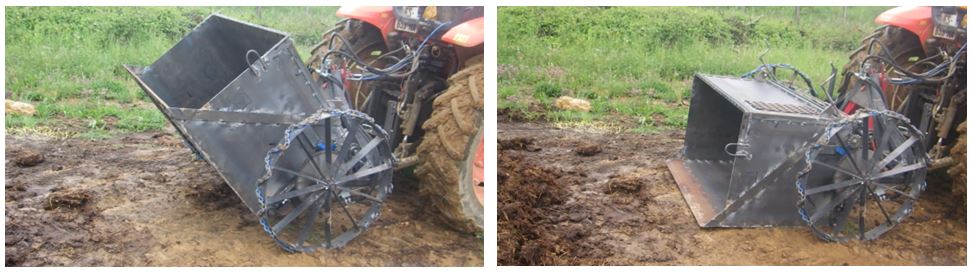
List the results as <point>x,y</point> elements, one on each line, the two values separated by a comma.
<point>588,149</point>
<point>622,207</point>
<point>145,200</point>
<point>71,199</point>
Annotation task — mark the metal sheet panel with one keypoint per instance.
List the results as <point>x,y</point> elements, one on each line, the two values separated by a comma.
<point>206,60</point>
<point>742,147</point>
<point>278,85</point>
<point>713,122</point>
<point>231,110</point>
<point>770,139</point>
<point>699,183</point>
<point>236,150</point>
<point>756,96</point>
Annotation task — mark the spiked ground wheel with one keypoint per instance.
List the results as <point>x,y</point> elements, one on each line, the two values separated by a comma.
<point>864,175</point>
<point>326,183</point>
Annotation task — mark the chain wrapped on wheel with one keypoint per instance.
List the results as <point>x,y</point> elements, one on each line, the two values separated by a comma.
<point>862,176</point>
<point>326,181</point>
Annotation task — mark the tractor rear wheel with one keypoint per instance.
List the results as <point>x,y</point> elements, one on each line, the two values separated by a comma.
<point>450,154</point>
<point>905,49</point>
<point>958,172</point>
<point>365,42</point>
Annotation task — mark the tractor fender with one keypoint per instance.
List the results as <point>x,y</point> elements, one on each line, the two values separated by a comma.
<point>381,17</point>
<point>468,34</point>
<point>917,20</point>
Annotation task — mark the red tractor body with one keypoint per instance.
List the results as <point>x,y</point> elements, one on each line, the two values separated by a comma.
<point>917,20</point>
<point>470,33</point>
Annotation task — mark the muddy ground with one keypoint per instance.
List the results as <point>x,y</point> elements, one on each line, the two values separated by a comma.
<point>562,202</point>
<point>142,200</point>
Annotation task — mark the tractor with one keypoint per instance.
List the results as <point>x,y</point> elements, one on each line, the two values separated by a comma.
<point>919,55</point>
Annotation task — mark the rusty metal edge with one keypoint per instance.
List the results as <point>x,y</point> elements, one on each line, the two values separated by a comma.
<point>693,195</point>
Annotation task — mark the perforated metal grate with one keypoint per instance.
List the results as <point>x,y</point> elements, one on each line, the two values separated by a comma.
<point>783,107</point>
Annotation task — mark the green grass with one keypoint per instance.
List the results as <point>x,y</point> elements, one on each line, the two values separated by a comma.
<point>67,60</point>
<point>638,61</point>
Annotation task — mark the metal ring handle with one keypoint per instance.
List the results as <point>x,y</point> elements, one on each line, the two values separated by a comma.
<point>250,63</point>
<point>738,153</point>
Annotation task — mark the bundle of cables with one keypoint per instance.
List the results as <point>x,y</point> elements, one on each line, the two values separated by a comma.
<point>369,72</point>
<point>933,75</point>
<point>770,70</point>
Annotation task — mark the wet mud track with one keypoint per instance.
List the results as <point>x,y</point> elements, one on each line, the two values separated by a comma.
<point>560,204</point>
<point>143,200</point>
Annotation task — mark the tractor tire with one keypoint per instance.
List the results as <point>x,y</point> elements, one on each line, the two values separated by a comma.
<point>446,153</point>
<point>902,45</point>
<point>958,172</point>
<point>365,41</point>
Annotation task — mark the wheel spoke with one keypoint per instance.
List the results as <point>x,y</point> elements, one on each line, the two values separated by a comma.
<point>327,145</point>
<point>849,155</point>
<point>287,195</point>
<point>360,154</point>
<point>352,130</point>
<point>866,141</point>
<point>363,173</point>
<point>293,215</point>
<point>879,205</point>
<point>899,170</point>
<point>327,227</point>
<point>291,194</point>
<point>833,186</point>
<point>884,139</point>
<point>361,194</point>
<point>298,174</point>
<point>346,212</point>
<point>844,215</point>
<point>862,224</point>
<point>828,207</point>
<point>308,225</point>
<point>838,169</point>
<point>288,188</point>
<point>889,188</point>
<point>895,153</point>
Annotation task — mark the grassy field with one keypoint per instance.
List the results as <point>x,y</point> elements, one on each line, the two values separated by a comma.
<point>635,64</point>
<point>67,60</point>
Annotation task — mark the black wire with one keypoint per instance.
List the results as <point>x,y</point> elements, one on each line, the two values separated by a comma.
<point>329,31</point>
<point>346,51</point>
<point>920,76</point>
<point>872,83</point>
<point>888,59</point>
<point>798,72</point>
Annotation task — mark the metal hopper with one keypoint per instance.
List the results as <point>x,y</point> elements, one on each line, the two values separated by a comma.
<point>734,170</point>
<point>759,152</point>
<point>289,146</point>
